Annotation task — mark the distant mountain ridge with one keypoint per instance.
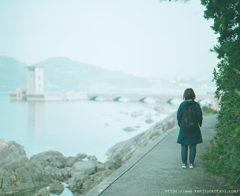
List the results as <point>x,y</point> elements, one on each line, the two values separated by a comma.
<point>12,72</point>
<point>62,73</point>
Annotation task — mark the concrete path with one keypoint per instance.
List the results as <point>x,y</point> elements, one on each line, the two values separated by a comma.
<point>159,170</point>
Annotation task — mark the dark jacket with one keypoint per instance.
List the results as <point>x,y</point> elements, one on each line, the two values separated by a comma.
<point>194,136</point>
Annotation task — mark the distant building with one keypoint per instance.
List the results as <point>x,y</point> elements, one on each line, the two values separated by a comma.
<point>35,86</point>
<point>35,80</point>
<point>18,95</point>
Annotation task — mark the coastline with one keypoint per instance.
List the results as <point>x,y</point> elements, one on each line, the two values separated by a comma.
<point>81,173</point>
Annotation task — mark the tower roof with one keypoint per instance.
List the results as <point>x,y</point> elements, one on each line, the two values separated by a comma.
<point>35,66</point>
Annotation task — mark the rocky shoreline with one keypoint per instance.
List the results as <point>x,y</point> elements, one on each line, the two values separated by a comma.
<point>22,176</point>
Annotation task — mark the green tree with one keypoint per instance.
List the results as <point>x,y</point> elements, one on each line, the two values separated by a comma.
<point>223,158</point>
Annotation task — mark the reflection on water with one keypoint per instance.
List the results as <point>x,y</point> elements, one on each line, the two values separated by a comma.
<point>35,125</point>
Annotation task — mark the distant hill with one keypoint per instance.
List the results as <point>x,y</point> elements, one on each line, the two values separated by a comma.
<point>62,73</point>
<point>12,72</point>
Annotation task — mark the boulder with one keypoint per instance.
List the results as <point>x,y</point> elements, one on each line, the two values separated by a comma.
<point>92,158</point>
<point>70,161</point>
<point>10,151</point>
<point>101,167</point>
<point>42,192</point>
<point>56,188</point>
<point>116,163</point>
<point>56,174</point>
<point>17,173</point>
<point>50,158</point>
<point>88,184</point>
<point>129,129</point>
<point>75,183</point>
<point>149,120</point>
<point>83,183</point>
<point>24,177</point>
<point>81,156</point>
<point>84,168</point>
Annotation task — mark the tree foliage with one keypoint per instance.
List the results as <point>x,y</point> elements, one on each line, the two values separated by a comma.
<point>223,158</point>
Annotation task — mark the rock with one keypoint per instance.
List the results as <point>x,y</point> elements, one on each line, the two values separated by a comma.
<point>24,177</point>
<point>56,174</point>
<point>129,129</point>
<point>17,173</point>
<point>68,169</point>
<point>70,161</point>
<point>4,152</point>
<point>101,167</point>
<point>42,192</point>
<point>56,188</point>
<point>80,156</point>
<point>149,121</point>
<point>19,150</point>
<point>87,185</point>
<point>98,177</point>
<point>83,183</point>
<point>50,158</point>
<point>75,183</point>
<point>92,158</point>
<point>17,163</point>
<point>116,163</point>
<point>84,168</point>
<point>2,140</point>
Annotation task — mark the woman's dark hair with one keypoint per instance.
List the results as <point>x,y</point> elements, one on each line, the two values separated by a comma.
<point>189,94</point>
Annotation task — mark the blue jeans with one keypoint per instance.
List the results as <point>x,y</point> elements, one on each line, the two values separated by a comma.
<point>184,152</point>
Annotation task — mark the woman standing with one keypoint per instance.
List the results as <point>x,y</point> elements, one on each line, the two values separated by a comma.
<point>189,139</point>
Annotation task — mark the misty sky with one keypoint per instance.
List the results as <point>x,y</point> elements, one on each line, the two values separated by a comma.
<point>140,37</point>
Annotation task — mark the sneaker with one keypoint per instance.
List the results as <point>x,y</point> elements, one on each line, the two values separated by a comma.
<point>184,166</point>
<point>191,166</point>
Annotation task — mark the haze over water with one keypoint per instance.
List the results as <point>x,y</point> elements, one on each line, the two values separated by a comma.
<point>72,127</point>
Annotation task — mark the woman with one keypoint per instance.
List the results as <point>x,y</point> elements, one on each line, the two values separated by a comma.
<point>193,137</point>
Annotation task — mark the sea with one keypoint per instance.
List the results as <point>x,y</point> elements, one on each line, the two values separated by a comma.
<point>73,127</point>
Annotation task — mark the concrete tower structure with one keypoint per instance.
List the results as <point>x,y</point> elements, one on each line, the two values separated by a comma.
<point>35,80</point>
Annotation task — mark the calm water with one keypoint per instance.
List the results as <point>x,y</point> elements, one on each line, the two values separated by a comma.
<point>72,127</point>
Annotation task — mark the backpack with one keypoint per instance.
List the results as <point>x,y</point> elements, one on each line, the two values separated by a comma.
<point>189,121</point>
